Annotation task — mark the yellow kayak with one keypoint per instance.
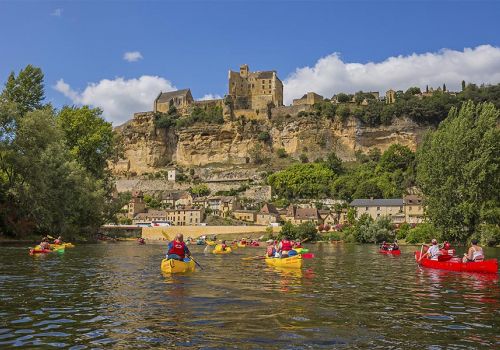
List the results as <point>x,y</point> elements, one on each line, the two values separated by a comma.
<point>241,245</point>
<point>210,242</point>
<point>177,266</point>
<point>64,245</point>
<point>292,262</point>
<point>218,250</point>
<point>52,247</point>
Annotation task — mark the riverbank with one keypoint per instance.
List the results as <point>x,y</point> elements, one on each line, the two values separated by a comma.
<point>226,232</point>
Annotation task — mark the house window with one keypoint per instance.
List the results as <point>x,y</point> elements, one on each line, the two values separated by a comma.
<point>378,208</point>
<point>378,215</point>
<point>409,208</point>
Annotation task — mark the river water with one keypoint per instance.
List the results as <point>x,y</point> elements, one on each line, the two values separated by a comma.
<point>347,297</point>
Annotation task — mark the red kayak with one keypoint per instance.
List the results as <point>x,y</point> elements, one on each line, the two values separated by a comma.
<point>393,252</point>
<point>456,264</point>
<point>40,251</point>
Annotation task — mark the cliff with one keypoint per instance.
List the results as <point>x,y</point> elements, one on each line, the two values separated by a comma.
<point>252,142</point>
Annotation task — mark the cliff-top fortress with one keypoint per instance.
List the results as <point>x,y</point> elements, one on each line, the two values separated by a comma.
<point>249,94</point>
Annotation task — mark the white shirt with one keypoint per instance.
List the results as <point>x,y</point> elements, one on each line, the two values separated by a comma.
<point>433,252</point>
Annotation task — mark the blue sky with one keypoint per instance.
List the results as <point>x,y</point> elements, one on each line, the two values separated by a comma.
<point>193,44</point>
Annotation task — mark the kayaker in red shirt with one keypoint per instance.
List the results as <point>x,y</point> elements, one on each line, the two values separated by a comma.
<point>177,249</point>
<point>284,247</point>
<point>223,245</point>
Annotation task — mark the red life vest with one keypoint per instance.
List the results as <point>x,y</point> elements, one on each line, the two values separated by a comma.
<point>178,248</point>
<point>286,246</point>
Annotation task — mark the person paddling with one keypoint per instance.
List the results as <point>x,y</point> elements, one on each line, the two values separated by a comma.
<point>177,249</point>
<point>223,245</point>
<point>475,253</point>
<point>284,247</point>
<point>395,246</point>
<point>433,251</point>
<point>44,244</point>
<point>271,250</point>
<point>384,246</point>
<point>59,240</point>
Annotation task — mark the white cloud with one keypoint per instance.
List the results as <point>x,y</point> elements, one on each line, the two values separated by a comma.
<point>118,98</point>
<point>210,97</point>
<point>57,13</point>
<point>132,56</point>
<point>330,75</point>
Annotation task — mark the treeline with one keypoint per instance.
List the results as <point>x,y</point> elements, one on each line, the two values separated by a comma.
<point>375,175</point>
<point>173,119</point>
<point>457,167</point>
<point>53,163</point>
<point>410,104</point>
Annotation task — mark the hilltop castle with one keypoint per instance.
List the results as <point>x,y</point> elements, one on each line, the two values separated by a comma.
<point>255,90</point>
<point>249,94</point>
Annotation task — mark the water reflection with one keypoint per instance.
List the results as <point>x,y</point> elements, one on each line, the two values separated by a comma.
<point>349,296</point>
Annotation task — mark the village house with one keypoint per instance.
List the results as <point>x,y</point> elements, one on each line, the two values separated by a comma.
<point>413,209</point>
<point>177,217</point>
<point>299,215</point>
<point>376,208</point>
<point>200,202</point>
<point>222,205</point>
<point>245,215</point>
<point>176,199</point>
<point>135,205</point>
<point>267,215</point>
<point>330,219</point>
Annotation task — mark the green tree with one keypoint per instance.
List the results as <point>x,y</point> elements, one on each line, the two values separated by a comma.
<point>396,157</point>
<point>334,163</point>
<point>26,90</point>
<point>307,180</point>
<point>88,136</point>
<point>458,169</point>
<point>343,98</point>
<point>200,190</point>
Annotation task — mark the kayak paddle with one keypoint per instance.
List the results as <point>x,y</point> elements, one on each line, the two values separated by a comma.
<point>196,262</point>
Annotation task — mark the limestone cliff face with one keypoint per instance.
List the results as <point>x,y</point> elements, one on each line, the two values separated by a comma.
<point>147,148</point>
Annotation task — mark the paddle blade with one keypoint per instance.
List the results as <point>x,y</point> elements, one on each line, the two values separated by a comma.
<point>307,256</point>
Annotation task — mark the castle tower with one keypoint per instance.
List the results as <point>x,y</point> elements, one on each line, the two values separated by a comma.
<point>244,71</point>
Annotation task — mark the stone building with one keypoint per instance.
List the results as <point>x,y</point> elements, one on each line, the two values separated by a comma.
<point>376,208</point>
<point>180,99</point>
<point>254,90</point>
<point>245,215</point>
<point>308,99</point>
<point>414,209</point>
<point>298,215</point>
<point>390,96</point>
<point>267,215</point>
<point>135,205</point>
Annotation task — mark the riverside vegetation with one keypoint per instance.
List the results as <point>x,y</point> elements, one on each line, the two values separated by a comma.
<point>53,163</point>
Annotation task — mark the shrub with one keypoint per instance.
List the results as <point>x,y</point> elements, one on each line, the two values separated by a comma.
<point>264,136</point>
<point>421,234</point>
<point>303,158</point>
<point>489,234</point>
<point>281,153</point>
<point>403,231</point>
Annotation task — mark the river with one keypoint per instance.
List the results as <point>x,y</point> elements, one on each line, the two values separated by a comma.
<point>347,297</point>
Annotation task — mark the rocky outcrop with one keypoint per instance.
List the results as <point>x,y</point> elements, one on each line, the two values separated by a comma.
<point>236,142</point>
